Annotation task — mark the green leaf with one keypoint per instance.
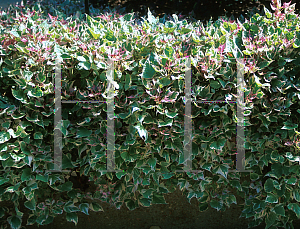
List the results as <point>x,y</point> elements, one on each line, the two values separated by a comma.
<point>124,115</point>
<point>169,51</point>
<point>296,195</point>
<point>292,180</point>
<point>279,210</point>
<point>48,220</point>
<point>19,95</point>
<point>38,135</point>
<point>4,136</point>
<point>21,82</point>
<point>130,204</point>
<point>267,12</point>
<point>84,207</point>
<point>171,114</point>
<point>221,169</point>
<point>41,177</point>
<point>265,64</point>
<point>219,144</point>
<point>203,206</point>
<point>66,186</point>
<point>236,184</point>
<point>295,208</point>
<point>35,92</point>
<point>184,31</point>
<point>85,65</point>
<point>216,204</point>
<point>145,202</point>
<point>177,145</point>
<point>142,131</point>
<point>168,122</point>
<point>269,186</point>
<point>254,176</point>
<point>110,36</point>
<point>31,219</point>
<point>158,198</point>
<point>222,40</point>
<point>215,84</point>
<point>57,211</point>
<point>28,75</point>
<point>96,207</point>
<point>41,219</point>
<point>3,180</point>
<point>81,58</point>
<point>270,219</point>
<point>167,176</point>
<point>120,174</point>
<point>26,174</point>
<point>164,82</point>
<point>207,166</point>
<point>53,178</point>
<point>127,156</point>
<point>66,162</point>
<point>146,192</point>
<point>83,132</point>
<point>231,199</point>
<point>289,126</point>
<point>70,207</point>
<point>2,211</point>
<point>72,217</point>
<point>30,204</point>
<point>94,34</point>
<point>14,221</point>
<point>271,198</point>
<point>152,163</point>
<point>127,81</point>
<point>148,71</point>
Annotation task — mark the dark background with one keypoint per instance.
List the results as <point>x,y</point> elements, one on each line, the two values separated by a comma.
<point>203,9</point>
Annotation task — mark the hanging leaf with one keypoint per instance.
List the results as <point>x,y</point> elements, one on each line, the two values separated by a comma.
<point>30,204</point>
<point>295,208</point>
<point>96,207</point>
<point>72,217</point>
<point>145,202</point>
<point>14,221</point>
<point>216,204</point>
<point>84,207</point>
<point>271,219</point>
<point>158,198</point>
<point>222,170</point>
<point>203,206</point>
<point>130,204</point>
<point>120,174</point>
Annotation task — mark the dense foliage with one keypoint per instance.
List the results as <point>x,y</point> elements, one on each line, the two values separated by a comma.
<point>149,75</point>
